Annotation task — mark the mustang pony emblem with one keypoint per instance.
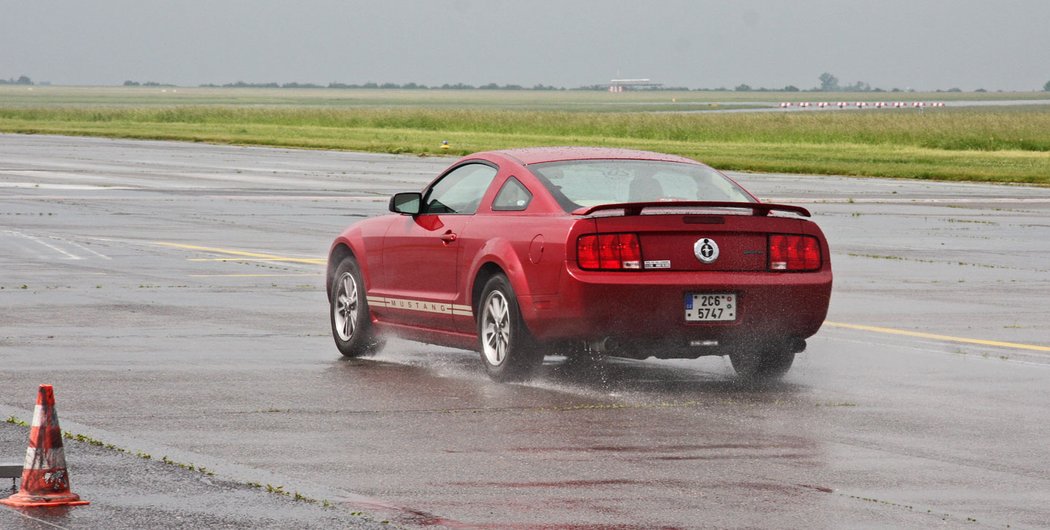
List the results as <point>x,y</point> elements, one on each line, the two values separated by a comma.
<point>706,250</point>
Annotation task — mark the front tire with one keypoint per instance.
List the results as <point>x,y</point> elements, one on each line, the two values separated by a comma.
<point>507,350</point>
<point>349,315</point>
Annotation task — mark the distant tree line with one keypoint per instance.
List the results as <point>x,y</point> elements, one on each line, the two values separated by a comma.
<point>828,83</point>
<point>22,80</point>
<point>146,83</point>
<point>387,86</point>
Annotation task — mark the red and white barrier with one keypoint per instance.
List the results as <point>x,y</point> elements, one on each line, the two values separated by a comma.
<point>862,104</point>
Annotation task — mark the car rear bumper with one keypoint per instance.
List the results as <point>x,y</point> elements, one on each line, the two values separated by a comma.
<point>645,311</point>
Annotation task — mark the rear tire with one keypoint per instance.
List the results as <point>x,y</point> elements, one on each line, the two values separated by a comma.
<point>762,364</point>
<point>349,315</point>
<point>507,350</point>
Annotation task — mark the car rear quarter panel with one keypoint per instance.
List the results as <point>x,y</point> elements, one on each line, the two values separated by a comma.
<point>529,249</point>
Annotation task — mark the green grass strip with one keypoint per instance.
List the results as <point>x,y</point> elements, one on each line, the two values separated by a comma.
<point>1006,145</point>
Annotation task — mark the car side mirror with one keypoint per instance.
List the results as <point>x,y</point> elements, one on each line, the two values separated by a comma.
<point>407,203</point>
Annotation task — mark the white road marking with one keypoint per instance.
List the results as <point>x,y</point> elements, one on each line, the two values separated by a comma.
<point>41,521</point>
<point>82,247</point>
<point>893,200</point>
<point>44,243</point>
<point>267,198</point>
<point>71,187</point>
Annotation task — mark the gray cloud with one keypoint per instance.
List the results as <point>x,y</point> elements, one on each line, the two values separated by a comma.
<point>922,44</point>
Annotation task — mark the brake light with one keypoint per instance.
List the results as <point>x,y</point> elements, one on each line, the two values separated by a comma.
<point>609,252</point>
<point>793,253</point>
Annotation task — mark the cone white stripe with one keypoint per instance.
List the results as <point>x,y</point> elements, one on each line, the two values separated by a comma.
<point>55,458</point>
<point>38,416</point>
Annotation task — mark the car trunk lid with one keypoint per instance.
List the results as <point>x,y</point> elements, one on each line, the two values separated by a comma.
<point>700,241</point>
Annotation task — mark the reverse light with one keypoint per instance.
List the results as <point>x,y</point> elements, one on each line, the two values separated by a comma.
<point>793,253</point>
<point>609,252</point>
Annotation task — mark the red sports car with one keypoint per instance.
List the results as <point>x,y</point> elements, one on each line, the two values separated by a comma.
<point>583,252</point>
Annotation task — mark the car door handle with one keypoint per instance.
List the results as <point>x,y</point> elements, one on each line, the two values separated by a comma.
<point>448,237</point>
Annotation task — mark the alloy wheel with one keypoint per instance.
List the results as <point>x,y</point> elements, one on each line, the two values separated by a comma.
<point>346,307</point>
<point>495,328</point>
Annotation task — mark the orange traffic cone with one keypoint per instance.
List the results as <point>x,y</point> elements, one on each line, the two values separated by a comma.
<point>45,481</point>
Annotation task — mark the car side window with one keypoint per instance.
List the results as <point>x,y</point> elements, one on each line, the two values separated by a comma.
<point>460,190</point>
<point>512,197</point>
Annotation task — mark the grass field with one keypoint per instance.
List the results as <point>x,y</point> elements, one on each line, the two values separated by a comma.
<point>993,144</point>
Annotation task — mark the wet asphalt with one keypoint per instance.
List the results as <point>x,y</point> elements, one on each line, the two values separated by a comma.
<point>173,294</point>
<point>130,491</point>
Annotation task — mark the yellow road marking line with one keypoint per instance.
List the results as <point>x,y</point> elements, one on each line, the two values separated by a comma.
<point>933,336</point>
<point>226,260</point>
<point>240,253</point>
<point>858,327</point>
<point>248,275</point>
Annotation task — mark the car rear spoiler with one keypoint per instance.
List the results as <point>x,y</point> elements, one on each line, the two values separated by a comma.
<point>635,208</point>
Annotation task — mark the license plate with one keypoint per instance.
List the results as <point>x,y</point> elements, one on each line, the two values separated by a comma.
<point>710,307</point>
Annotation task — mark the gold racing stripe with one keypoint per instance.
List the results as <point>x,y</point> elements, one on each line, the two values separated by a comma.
<point>420,306</point>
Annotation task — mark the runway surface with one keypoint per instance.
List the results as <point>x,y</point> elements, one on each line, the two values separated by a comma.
<point>174,295</point>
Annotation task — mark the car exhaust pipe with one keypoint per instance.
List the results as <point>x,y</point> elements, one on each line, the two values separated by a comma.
<point>603,345</point>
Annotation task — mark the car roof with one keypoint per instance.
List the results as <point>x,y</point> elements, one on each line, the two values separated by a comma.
<point>538,155</point>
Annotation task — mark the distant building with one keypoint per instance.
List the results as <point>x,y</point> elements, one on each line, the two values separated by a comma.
<point>622,85</point>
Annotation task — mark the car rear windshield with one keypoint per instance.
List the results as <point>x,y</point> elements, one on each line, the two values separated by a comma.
<point>585,183</point>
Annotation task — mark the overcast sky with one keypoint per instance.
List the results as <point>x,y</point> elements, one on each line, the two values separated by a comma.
<point>920,44</point>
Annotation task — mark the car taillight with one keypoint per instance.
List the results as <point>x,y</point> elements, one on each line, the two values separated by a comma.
<point>793,253</point>
<point>609,252</point>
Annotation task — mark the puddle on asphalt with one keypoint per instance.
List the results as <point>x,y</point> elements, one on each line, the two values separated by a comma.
<point>628,381</point>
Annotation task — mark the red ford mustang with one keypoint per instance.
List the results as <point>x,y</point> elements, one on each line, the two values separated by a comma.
<point>583,252</point>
